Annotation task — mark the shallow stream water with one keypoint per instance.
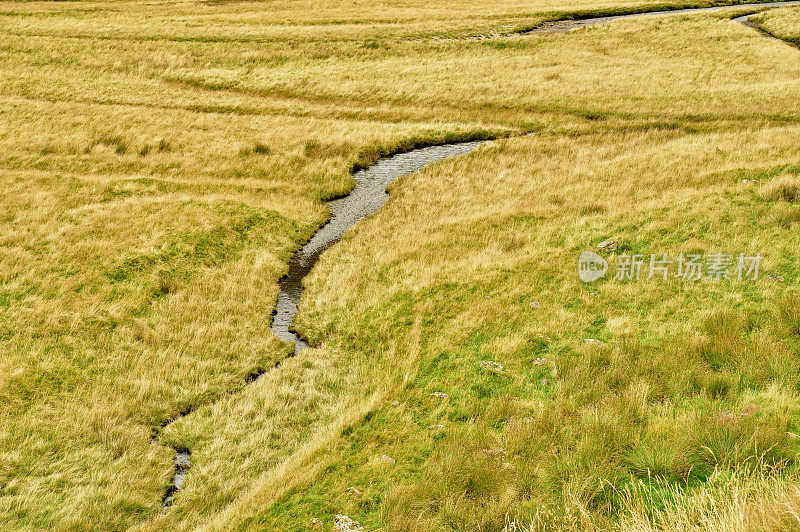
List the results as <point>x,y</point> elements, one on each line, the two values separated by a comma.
<point>366,198</point>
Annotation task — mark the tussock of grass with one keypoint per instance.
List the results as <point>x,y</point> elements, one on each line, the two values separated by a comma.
<point>729,501</point>
<point>783,188</point>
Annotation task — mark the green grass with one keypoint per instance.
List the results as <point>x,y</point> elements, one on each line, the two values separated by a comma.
<point>161,162</point>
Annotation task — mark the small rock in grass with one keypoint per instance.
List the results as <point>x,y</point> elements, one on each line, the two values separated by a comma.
<point>388,459</point>
<point>608,245</point>
<point>342,523</point>
<point>540,362</point>
<point>352,490</point>
<point>440,395</point>
<point>775,278</point>
<point>182,461</point>
<point>316,522</point>
<point>436,427</point>
<point>535,304</point>
<point>395,403</point>
<point>492,367</point>
<point>749,181</point>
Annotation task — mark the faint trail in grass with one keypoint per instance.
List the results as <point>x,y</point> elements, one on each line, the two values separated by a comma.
<point>564,22</point>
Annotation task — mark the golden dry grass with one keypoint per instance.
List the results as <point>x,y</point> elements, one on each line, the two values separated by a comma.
<point>782,23</point>
<point>160,162</point>
<point>678,356</point>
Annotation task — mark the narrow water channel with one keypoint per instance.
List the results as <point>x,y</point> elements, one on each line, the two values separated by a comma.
<point>366,198</point>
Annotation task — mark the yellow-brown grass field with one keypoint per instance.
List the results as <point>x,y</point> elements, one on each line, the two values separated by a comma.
<point>160,162</point>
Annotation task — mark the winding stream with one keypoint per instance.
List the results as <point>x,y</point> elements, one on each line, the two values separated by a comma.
<point>366,198</point>
<point>567,25</point>
<point>370,194</point>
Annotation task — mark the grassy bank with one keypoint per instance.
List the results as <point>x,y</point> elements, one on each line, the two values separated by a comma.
<point>160,162</point>
<point>640,401</point>
<point>782,24</point>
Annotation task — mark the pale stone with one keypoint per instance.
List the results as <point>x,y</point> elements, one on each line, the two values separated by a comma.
<point>342,523</point>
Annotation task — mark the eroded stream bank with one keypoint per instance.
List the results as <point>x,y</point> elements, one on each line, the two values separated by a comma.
<point>366,198</point>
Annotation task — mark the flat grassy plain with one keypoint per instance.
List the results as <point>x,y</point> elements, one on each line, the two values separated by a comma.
<point>160,162</point>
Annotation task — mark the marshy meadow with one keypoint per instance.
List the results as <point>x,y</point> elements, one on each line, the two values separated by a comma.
<point>166,165</point>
